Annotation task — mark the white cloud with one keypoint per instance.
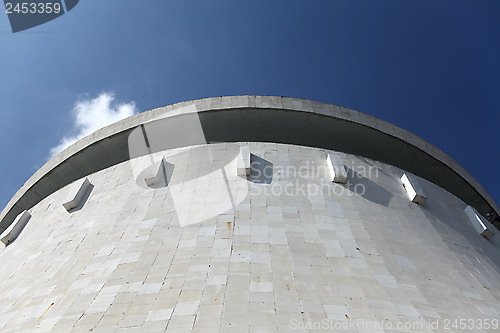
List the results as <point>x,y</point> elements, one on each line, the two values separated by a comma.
<point>93,114</point>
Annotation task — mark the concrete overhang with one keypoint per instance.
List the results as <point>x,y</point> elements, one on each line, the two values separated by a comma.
<point>256,119</point>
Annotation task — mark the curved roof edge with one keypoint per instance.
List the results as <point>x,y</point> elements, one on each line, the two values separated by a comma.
<point>260,118</point>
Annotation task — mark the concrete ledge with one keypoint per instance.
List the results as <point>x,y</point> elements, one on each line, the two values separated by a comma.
<point>11,233</point>
<point>483,227</point>
<point>257,119</point>
<point>413,189</point>
<point>77,194</point>
<point>337,169</point>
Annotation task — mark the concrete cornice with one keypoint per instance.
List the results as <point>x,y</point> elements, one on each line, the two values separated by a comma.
<point>260,118</point>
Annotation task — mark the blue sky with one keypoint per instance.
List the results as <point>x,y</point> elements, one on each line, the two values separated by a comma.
<point>430,67</point>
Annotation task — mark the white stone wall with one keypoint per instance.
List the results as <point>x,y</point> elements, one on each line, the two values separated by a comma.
<point>299,252</point>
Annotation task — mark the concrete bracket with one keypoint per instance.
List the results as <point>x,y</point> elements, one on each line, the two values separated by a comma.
<point>482,226</point>
<point>337,168</point>
<point>413,189</point>
<point>11,233</point>
<point>77,194</point>
<point>243,162</point>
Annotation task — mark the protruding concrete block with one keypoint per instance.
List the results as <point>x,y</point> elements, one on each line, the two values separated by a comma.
<point>11,233</point>
<point>156,175</point>
<point>243,162</point>
<point>413,189</point>
<point>337,168</point>
<point>77,194</point>
<point>482,226</point>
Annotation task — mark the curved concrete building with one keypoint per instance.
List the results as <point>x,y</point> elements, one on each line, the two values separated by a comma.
<point>250,214</point>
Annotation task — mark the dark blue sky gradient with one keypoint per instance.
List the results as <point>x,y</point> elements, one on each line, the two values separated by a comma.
<point>430,67</point>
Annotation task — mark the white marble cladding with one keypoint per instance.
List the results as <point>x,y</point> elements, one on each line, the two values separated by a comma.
<point>482,226</point>
<point>13,231</point>
<point>298,252</point>
<point>77,194</point>
<point>413,188</point>
<point>337,168</point>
